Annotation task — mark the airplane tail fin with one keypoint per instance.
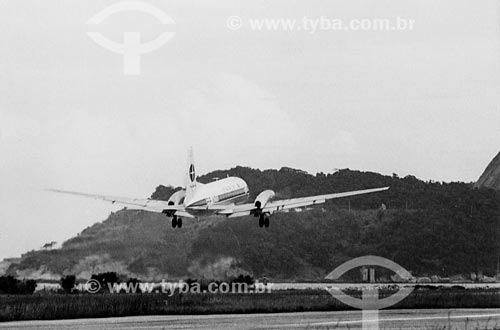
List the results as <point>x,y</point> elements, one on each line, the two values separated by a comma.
<point>190,176</point>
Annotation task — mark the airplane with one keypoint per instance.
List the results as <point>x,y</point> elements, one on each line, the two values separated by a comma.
<point>224,197</point>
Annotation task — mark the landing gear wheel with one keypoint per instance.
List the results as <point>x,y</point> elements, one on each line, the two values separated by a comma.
<point>174,222</point>
<point>179,223</point>
<point>261,222</point>
<point>266,222</point>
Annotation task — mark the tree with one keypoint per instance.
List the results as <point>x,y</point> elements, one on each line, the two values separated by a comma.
<point>11,285</point>
<point>68,283</point>
<point>106,279</point>
<point>27,286</point>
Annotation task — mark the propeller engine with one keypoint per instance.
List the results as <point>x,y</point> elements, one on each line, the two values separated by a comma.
<point>177,198</point>
<point>263,198</point>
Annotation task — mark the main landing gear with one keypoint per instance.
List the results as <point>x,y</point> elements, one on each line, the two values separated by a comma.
<point>176,222</point>
<point>263,221</point>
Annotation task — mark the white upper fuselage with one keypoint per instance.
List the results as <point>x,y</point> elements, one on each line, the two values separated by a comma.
<point>231,190</point>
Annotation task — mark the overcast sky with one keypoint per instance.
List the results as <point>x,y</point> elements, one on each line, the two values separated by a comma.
<point>423,102</point>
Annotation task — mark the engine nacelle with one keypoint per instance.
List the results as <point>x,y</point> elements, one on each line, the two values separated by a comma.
<point>177,197</point>
<point>263,198</point>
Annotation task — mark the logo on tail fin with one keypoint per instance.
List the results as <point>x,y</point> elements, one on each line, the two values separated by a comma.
<point>190,176</point>
<point>191,173</point>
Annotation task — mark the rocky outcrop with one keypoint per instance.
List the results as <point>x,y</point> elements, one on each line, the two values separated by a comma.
<point>491,176</point>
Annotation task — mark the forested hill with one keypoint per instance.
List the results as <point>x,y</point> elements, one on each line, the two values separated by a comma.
<point>427,227</point>
<point>432,227</point>
<point>404,193</point>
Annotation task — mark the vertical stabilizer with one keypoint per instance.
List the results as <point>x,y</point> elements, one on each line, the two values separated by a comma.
<point>190,176</point>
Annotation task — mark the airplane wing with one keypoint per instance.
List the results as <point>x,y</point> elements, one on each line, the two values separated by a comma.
<point>280,205</point>
<point>147,204</point>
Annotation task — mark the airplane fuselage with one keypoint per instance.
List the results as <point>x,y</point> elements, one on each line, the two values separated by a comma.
<point>231,190</point>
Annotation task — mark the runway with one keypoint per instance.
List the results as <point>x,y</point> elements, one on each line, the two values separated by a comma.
<point>388,319</point>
